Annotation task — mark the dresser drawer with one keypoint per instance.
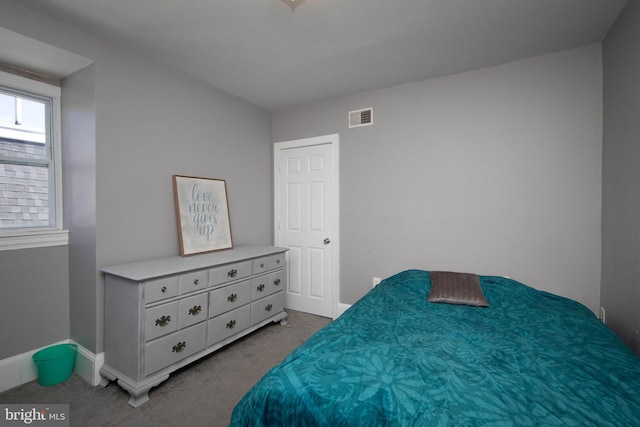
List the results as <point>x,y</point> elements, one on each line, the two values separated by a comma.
<point>260,265</point>
<point>229,324</point>
<point>161,320</point>
<point>175,347</point>
<point>277,261</point>
<point>276,281</point>
<point>228,298</point>
<point>268,263</point>
<point>260,287</point>
<point>193,281</point>
<point>266,307</point>
<point>157,290</point>
<point>229,272</point>
<point>193,310</point>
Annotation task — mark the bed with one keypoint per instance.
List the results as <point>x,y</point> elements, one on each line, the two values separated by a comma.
<point>395,359</point>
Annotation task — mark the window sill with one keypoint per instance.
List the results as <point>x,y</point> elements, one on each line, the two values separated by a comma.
<point>34,239</point>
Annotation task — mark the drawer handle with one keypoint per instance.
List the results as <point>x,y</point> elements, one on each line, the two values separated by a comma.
<point>232,273</point>
<point>195,310</point>
<point>277,261</point>
<point>262,265</point>
<point>268,307</point>
<point>260,287</point>
<point>179,347</point>
<point>232,297</point>
<point>231,324</point>
<point>163,321</point>
<point>196,281</point>
<point>276,282</point>
<point>164,289</point>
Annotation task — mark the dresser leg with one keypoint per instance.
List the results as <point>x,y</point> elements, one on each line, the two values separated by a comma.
<point>140,395</point>
<point>105,378</point>
<point>284,322</point>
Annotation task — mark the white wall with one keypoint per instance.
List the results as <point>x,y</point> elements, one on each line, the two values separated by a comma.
<point>495,171</point>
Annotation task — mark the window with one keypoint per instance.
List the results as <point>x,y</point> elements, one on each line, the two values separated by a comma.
<point>30,193</point>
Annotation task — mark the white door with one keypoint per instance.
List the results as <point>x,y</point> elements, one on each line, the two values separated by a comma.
<point>306,221</point>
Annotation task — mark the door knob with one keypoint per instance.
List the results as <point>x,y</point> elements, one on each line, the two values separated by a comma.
<point>326,241</point>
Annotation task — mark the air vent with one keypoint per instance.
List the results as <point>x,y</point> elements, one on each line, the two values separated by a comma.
<point>362,117</point>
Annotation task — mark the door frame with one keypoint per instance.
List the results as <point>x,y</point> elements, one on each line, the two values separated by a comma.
<point>334,141</point>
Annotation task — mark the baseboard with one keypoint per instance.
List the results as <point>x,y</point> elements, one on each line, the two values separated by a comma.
<point>342,308</point>
<point>18,369</point>
<point>88,365</point>
<point>21,369</point>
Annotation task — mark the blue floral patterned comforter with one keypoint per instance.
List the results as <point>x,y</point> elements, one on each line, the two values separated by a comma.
<point>394,359</point>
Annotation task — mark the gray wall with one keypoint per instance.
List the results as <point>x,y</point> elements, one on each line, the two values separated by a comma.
<point>131,124</point>
<point>494,171</point>
<point>34,308</point>
<point>621,175</point>
<point>78,106</point>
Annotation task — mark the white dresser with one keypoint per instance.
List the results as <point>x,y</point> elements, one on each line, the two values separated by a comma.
<point>163,314</point>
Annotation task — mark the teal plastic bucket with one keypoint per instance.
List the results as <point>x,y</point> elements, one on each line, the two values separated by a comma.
<point>55,363</point>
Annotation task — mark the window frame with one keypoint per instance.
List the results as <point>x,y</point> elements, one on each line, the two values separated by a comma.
<point>54,235</point>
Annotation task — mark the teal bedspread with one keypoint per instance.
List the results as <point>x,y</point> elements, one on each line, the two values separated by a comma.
<point>393,359</point>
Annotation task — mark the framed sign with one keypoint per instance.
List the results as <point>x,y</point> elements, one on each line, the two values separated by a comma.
<point>202,212</point>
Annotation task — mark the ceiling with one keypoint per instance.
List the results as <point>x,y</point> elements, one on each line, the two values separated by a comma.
<point>276,58</point>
